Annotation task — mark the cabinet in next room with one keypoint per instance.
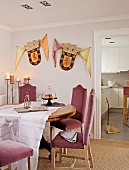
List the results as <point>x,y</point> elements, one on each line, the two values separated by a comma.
<point>105,94</point>
<point>124,58</point>
<point>116,100</point>
<point>109,56</point>
<point>114,59</point>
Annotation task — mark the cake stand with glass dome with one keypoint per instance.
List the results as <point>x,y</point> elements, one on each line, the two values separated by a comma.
<point>49,95</point>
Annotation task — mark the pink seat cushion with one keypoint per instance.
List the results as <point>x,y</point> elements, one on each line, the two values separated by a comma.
<point>79,96</point>
<point>60,142</point>
<point>67,124</point>
<point>11,151</point>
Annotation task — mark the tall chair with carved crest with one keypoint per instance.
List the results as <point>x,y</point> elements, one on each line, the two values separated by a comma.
<point>82,141</point>
<point>27,89</point>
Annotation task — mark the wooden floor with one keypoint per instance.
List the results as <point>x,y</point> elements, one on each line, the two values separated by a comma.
<point>111,142</point>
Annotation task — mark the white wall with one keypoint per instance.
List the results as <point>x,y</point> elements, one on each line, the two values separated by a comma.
<point>45,74</point>
<point>5,57</point>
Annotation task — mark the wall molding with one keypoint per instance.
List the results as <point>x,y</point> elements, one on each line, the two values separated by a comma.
<point>76,22</point>
<point>6,28</point>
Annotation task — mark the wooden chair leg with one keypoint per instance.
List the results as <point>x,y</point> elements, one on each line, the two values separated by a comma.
<point>51,132</point>
<point>125,109</point>
<point>64,151</point>
<point>60,154</point>
<point>87,158</point>
<point>9,167</point>
<point>29,167</point>
<point>90,156</point>
<point>53,158</point>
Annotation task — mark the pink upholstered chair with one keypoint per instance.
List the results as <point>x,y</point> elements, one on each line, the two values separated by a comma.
<point>83,139</point>
<point>12,151</point>
<point>27,89</point>
<point>79,96</point>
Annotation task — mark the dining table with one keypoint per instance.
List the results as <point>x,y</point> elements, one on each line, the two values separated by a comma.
<point>125,103</point>
<point>27,127</point>
<point>62,113</point>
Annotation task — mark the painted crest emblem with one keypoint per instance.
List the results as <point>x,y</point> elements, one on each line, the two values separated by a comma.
<point>67,60</point>
<point>68,56</point>
<point>33,50</point>
<point>34,56</point>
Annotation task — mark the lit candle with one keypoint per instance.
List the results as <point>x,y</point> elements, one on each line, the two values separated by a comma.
<point>28,77</point>
<point>7,76</point>
<point>11,79</point>
<point>17,79</point>
<point>25,80</point>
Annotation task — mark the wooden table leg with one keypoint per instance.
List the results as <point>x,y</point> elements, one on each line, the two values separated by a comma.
<point>125,109</point>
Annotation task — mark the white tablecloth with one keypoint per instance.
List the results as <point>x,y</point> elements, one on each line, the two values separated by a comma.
<point>26,128</point>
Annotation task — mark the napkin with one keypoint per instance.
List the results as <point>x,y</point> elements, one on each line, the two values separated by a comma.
<point>70,136</point>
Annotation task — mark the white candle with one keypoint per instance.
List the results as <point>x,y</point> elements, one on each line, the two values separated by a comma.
<point>17,79</point>
<point>7,76</point>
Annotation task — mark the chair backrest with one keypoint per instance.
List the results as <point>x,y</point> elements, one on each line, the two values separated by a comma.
<point>89,118</point>
<point>27,89</point>
<point>127,82</point>
<point>79,96</point>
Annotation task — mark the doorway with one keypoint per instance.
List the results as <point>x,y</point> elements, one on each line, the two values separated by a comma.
<point>97,73</point>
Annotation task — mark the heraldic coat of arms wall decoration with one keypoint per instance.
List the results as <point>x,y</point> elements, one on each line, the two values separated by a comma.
<point>33,50</point>
<point>68,56</point>
<point>67,59</point>
<point>69,53</point>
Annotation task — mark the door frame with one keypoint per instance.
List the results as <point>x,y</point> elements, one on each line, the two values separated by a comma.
<point>97,72</point>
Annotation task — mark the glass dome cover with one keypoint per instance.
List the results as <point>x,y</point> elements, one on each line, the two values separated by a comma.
<point>49,93</point>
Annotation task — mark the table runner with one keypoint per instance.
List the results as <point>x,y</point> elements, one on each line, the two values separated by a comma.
<point>26,128</point>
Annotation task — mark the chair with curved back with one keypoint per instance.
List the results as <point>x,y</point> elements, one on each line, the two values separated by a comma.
<point>79,96</point>
<point>27,89</point>
<point>82,142</point>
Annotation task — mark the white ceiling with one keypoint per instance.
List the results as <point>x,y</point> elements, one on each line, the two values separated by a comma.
<point>118,41</point>
<point>14,16</point>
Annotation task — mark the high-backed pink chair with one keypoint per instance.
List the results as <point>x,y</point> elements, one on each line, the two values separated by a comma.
<point>79,96</point>
<point>12,151</point>
<point>83,139</point>
<point>27,89</point>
